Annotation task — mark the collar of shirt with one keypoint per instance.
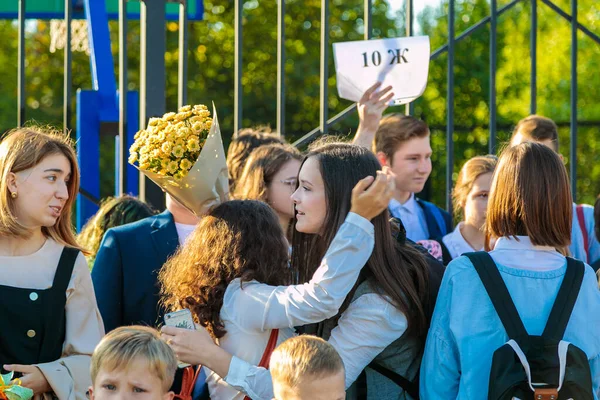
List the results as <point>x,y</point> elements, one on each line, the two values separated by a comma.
<point>410,205</point>
<point>456,243</point>
<point>520,253</point>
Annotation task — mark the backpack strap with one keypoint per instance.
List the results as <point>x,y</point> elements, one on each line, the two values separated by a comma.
<point>498,292</point>
<point>434,219</point>
<point>565,300</point>
<point>584,232</point>
<point>411,388</point>
<point>266,358</point>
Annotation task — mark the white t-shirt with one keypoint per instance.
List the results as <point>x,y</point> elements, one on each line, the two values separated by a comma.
<point>183,231</point>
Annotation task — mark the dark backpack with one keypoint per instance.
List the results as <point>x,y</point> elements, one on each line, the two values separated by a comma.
<point>531,367</point>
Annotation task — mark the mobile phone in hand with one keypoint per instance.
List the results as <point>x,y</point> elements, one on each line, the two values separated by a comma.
<point>180,319</point>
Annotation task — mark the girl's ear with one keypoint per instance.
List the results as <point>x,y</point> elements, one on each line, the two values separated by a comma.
<point>169,396</point>
<point>11,182</point>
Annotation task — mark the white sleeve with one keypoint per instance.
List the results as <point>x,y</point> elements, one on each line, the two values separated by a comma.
<point>365,329</point>
<point>259,307</point>
<point>254,381</point>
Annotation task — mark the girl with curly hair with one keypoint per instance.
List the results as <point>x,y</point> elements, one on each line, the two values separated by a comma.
<point>232,271</point>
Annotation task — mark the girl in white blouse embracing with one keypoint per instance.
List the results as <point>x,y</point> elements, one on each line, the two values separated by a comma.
<point>50,321</point>
<point>384,310</point>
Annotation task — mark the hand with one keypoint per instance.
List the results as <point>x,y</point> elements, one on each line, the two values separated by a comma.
<point>32,378</point>
<point>370,201</point>
<point>189,346</point>
<point>372,105</point>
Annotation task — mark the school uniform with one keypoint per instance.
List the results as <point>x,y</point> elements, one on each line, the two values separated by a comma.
<point>422,220</point>
<point>49,317</point>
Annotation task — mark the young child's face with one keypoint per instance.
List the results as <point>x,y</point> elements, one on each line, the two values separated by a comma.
<point>137,381</point>
<point>329,387</point>
<point>412,164</point>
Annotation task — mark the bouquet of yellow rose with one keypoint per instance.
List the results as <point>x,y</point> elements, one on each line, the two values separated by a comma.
<point>183,153</point>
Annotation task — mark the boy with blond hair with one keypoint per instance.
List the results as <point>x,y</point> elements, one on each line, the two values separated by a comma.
<point>307,368</point>
<point>132,362</point>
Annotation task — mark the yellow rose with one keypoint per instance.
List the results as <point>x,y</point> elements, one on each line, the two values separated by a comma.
<point>178,177</point>
<point>167,147</point>
<point>193,145</point>
<point>169,116</point>
<point>172,167</point>
<point>163,171</point>
<point>153,121</point>
<point>161,136</point>
<point>185,164</point>
<point>184,132</point>
<point>178,151</point>
<point>184,173</point>
<point>198,127</point>
<point>185,109</point>
<point>145,165</point>
<point>133,157</point>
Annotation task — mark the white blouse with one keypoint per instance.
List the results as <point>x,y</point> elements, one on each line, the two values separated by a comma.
<point>456,243</point>
<point>249,312</point>
<point>69,376</point>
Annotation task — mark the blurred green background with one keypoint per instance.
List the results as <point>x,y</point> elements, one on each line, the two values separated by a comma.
<point>211,44</point>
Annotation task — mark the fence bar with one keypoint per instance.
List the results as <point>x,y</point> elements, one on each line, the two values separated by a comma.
<point>409,108</point>
<point>573,158</point>
<point>324,95</point>
<point>281,68</point>
<point>351,109</point>
<point>533,54</point>
<point>183,55</point>
<point>368,17</point>
<point>493,68</point>
<point>438,52</point>
<point>152,80</point>
<point>67,68</point>
<point>566,16</point>
<point>21,66</point>
<point>237,80</point>
<point>123,148</point>
<point>450,108</point>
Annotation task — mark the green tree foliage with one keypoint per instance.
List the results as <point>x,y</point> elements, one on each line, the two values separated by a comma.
<point>211,63</point>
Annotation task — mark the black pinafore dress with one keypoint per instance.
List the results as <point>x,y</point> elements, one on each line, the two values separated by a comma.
<point>32,330</point>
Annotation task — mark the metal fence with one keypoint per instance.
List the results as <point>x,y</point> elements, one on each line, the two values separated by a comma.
<point>152,86</point>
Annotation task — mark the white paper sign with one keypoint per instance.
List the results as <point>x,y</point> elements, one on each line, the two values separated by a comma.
<point>402,63</point>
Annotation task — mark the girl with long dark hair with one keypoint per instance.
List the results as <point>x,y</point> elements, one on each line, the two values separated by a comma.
<point>384,317</point>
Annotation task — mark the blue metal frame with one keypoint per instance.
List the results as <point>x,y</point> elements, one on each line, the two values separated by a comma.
<point>197,16</point>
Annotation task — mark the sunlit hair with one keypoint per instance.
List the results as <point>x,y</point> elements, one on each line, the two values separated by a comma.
<point>537,128</point>
<point>22,149</point>
<point>126,345</point>
<point>397,271</point>
<point>395,130</point>
<point>262,165</point>
<point>237,239</point>
<point>531,196</point>
<point>242,146</point>
<point>114,211</point>
<point>471,170</point>
<point>303,358</point>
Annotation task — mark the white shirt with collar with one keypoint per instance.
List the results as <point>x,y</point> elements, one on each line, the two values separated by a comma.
<point>520,253</point>
<point>456,243</point>
<point>412,216</point>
